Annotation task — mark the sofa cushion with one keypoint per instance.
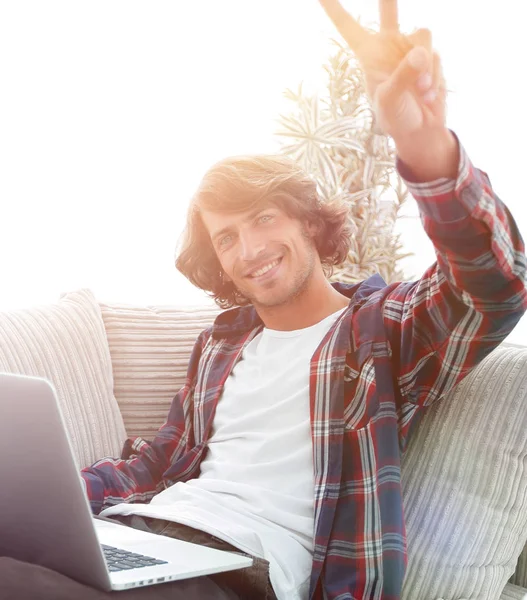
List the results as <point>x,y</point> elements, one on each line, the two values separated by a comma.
<point>520,575</point>
<point>465,486</point>
<point>150,348</point>
<point>513,592</point>
<point>66,344</point>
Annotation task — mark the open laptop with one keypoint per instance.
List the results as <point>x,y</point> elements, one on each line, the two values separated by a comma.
<point>45,516</point>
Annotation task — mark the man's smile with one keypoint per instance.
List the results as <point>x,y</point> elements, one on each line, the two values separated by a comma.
<point>266,271</point>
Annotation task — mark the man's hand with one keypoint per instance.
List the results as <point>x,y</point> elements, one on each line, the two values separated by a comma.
<point>405,81</point>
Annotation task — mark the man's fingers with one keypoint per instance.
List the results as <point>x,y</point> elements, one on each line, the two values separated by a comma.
<point>354,34</point>
<point>388,10</point>
<point>431,86</point>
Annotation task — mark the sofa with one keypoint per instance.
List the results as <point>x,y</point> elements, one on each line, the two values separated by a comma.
<point>116,368</point>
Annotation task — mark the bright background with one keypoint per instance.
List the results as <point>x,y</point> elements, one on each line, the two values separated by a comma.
<point>111,111</point>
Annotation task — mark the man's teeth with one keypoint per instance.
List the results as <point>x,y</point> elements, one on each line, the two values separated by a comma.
<point>265,269</point>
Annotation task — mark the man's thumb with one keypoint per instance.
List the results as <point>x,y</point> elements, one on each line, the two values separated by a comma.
<point>415,63</point>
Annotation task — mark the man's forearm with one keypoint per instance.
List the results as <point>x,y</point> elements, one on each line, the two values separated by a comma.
<point>430,157</point>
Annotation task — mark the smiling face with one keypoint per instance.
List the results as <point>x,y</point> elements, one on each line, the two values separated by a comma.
<point>269,256</point>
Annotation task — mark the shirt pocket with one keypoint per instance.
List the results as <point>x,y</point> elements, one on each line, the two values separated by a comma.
<point>361,400</point>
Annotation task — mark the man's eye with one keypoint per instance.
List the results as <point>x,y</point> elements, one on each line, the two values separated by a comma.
<point>225,240</point>
<point>265,218</point>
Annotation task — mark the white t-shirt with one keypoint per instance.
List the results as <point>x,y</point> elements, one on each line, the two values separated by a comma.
<point>256,488</point>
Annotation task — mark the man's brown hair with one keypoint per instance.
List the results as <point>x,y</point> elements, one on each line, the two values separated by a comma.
<point>242,183</point>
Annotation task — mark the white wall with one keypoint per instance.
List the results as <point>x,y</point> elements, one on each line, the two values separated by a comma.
<point>111,111</point>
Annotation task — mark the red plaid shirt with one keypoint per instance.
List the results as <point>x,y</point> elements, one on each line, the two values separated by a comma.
<point>395,350</point>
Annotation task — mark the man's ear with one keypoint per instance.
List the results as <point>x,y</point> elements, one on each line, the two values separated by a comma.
<point>311,229</point>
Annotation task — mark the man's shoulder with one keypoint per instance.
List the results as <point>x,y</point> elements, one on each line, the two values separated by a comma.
<point>233,323</point>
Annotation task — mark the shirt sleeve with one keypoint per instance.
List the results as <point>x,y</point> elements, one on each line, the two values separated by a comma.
<point>470,299</point>
<point>112,481</point>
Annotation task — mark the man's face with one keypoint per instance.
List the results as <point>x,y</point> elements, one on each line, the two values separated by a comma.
<point>269,256</point>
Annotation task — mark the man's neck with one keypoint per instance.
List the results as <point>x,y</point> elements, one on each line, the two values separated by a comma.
<point>315,303</point>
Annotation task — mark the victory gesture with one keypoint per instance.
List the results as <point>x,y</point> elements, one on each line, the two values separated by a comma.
<point>403,75</point>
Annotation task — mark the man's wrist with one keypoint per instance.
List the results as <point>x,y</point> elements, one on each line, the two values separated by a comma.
<point>430,156</point>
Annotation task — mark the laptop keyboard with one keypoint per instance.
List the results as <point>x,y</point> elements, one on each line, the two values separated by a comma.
<point>122,560</point>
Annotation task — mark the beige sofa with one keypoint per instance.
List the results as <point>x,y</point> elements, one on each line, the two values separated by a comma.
<point>116,367</point>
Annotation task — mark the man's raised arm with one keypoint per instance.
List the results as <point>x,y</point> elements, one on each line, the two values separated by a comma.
<point>466,303</point>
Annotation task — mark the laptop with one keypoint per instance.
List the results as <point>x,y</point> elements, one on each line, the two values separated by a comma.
<point>45,517</point>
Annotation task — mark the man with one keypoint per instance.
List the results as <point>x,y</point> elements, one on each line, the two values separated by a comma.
<point>285,441</point>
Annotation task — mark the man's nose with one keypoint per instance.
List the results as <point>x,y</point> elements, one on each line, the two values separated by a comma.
<point>251,245</point>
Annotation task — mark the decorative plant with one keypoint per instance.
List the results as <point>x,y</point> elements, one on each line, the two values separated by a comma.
<point>336,141</point>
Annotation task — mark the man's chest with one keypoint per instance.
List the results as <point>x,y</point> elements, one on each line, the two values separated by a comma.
<point>326,382</point>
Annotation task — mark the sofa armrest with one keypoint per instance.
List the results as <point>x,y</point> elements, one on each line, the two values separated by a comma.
<point>513,592</point>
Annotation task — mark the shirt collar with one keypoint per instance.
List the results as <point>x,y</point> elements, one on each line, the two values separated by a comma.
<point>242,319</point>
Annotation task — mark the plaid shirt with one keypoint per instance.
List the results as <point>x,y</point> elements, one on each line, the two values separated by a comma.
<point>395,350</point>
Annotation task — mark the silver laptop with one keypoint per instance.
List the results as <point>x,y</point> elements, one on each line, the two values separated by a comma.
<point>45,516</point>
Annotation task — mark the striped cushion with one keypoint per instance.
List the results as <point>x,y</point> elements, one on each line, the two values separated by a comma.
<point>465,485</point>
<point>150,349</point>
<point>66,344</point>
